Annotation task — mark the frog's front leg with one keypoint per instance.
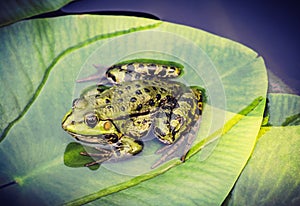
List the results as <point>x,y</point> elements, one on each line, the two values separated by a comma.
<point>124,148</point>
<point>138,126</point>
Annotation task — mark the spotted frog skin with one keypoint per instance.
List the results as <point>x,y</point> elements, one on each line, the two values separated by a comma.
<point>143,97</point>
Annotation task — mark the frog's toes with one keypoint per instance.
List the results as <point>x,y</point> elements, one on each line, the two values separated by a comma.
<point>170,152</point>
<point>100,157</point>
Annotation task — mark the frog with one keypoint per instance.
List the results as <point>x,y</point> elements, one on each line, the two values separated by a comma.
<point>141,97</point>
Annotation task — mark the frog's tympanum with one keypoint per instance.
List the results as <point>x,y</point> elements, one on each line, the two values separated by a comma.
<point>142,98</point>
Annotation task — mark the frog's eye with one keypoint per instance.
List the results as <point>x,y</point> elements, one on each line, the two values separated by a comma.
<point>91,120</point>
<point>107,125</point>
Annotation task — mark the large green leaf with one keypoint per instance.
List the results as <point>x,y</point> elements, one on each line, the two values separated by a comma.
<point>284,109</point>
<point>14,10</point>
<point>272,175</point>
<point>38,84</point>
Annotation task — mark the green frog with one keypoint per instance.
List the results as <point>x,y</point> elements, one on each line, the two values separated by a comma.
<point>142,97</point>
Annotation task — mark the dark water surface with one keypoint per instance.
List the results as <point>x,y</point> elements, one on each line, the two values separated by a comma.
<point>270,28</point>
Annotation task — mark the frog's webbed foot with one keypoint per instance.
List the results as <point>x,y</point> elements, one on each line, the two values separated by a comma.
<point>126,147</point>
<point>179,149</point>
<point>96,77</point>
<point>101,156</point>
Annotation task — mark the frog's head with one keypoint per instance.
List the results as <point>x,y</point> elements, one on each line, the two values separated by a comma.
<point>85,124</point>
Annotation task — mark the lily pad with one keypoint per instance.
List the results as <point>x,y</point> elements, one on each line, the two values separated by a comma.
<point>12,11</point>
<point>28,58</point>
<point>272,176</point>
<point>284,109</point>
<point>45,57</point>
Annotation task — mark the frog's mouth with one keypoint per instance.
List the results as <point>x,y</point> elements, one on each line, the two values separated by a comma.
<point>91,139</point>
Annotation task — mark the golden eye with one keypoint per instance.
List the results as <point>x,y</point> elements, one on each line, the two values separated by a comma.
<point>107,125</point>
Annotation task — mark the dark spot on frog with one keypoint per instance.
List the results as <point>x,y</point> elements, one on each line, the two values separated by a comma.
<point>169,114</point>
<point>152,65</point>
<point>151,71</point>
<point>137,86</point>
<point>154,88</point>
<point>120,100</point>
<point>113,138</point>
<point>162,73</point>
<point>122,108</point>
<point>173,134</point>
<point>145,121</point>
<point>173,102</point>
<point>163,89</point>
<point>139,107</point>
<point>128,87</point>
<point>109,107</point>
<point>133,99</point>
<point>152,68</point>
<point>172,69</point>
<point>158,96</point>
<point>118,67</point>
<point>101,88</point>
<point>113,77</point>
<point>120,92</point>
<point>147,90</point>
<point>151,102</point>
<point>130,67</point>
<point>107,101</point>
<point>138,92</point>
<point>137,76</point>
<point>97,96</point>
<point>141,65</point>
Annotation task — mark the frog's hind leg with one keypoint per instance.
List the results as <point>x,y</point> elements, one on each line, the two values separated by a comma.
<point>176,116</point>
<point>173,125</point>
<point>179,149</point>
<point>142,70</point>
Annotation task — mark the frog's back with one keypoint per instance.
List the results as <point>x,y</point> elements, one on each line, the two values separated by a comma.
<point>135,97</point>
